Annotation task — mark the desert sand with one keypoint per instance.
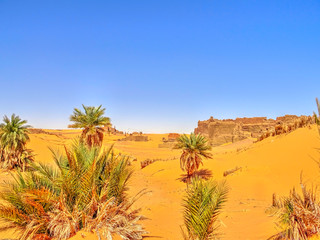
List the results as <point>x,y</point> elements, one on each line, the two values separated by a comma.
<point>273,165</point>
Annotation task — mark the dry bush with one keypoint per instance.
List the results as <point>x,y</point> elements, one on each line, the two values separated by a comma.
<point>298,215</point>
<point>147,162</point>
<point>279,129</point>
<point>317,117</point>
<point>290,127</point>
<point>226,173</point>
<point>261,137</point>
<point>10,159</point>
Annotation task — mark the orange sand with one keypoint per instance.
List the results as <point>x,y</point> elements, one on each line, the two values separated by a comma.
<point>271,166</point>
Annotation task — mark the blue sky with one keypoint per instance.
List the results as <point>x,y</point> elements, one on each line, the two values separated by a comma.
<point>158,66</point>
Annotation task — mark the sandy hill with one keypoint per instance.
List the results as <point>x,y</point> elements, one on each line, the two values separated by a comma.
<point>271,166</point>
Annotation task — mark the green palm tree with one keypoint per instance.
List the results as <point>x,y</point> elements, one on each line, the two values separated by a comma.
<point>14,133</point>
<point>194,148</point>
<point>202,205</point>
<point>92,122</point>
<point>13,139</point>
<point>85,190</point>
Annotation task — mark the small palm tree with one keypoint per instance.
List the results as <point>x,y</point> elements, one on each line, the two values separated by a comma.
<point>14,133</point>
<point>13,139</point>
<point>317,117</point>
<point>194,148</point>
<point>202,205</point>
<point>92,122</point>
<point>298,215</point>
<point>85,190</point>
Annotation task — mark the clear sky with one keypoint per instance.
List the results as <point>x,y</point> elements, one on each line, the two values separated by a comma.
<point>156,65</point>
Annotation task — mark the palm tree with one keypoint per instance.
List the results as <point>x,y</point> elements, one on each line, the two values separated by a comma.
<point>14,133</point>
<point>85,190</point>
<point>194,148</point>
<point>298,215</point>
<point>202,205</point>
<point>92,122</point>
<point>13,140</point>
<point>317,117</point>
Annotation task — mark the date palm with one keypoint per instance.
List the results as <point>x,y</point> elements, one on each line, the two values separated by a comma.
<point>202,205</point>
<point>86,190</point>
<point>194,148</point>
<point>13,139</point>
<point>14,133</point>
<point>91,121</point>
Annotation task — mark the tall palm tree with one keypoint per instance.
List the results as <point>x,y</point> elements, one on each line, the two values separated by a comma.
<point>194,148</point>
<point>92,122</point>
<point>14,133</point>
<point>202,204</point>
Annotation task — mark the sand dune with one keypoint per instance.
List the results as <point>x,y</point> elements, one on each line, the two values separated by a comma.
<point>271,166</point>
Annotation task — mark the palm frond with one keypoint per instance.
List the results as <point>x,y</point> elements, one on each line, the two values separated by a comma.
<point>87,188</point>
<point>91,121</point>
<point>13,139</point>
<point>298,215</point>
<point>202,205</point>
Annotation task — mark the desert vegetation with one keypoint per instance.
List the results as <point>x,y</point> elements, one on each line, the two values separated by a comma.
<point>202,204</point>
<point>86,189</point>
<point>194,148</point>
<point>298,214</point>
<point>282,128</point>
<point>91,121</point>
<point>317,117</point>
<point>13,139</point>
<point>204,198</point>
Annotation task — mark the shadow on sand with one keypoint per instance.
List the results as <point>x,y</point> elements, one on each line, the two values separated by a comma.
<point>203,174</point>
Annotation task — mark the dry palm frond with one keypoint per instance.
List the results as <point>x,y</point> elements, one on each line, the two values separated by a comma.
<point>116,219</point>
<point>202,205</point>
<point>63,224</point>
<point>298,215</point>
<point>11,158</point>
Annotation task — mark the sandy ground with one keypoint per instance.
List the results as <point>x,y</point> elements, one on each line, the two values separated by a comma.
<point>271,166</point>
